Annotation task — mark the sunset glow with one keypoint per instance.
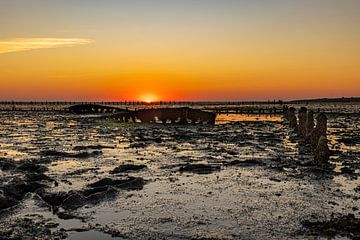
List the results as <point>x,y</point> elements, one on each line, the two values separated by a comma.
<point>180,50</point>
<point>149,98</point>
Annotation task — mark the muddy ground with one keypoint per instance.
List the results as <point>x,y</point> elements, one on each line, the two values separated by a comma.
<point>73,177</point>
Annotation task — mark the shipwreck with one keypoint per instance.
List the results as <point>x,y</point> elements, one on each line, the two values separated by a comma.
<point>180,115</point>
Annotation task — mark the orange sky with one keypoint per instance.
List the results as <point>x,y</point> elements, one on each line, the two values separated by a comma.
<point>167,50</point>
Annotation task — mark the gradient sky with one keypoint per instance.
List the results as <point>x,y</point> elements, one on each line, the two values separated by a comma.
<point>179,50</point>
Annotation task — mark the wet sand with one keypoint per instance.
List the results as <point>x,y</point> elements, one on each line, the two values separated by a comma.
<point>247,177</point>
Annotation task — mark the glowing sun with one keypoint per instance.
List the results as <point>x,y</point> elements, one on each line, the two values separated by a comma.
<point>149,98</point>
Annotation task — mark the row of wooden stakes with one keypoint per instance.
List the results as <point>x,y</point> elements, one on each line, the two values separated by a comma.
<point>313,135</point>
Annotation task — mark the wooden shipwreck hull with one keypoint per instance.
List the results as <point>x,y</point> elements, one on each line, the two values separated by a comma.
<point>93,109</point>
<point>167,115</point>
<point>183,115</point>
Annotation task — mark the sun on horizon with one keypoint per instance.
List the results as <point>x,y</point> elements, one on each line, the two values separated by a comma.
<point>149,98</point>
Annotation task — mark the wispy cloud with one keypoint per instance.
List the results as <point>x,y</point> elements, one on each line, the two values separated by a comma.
<point>26,44</point>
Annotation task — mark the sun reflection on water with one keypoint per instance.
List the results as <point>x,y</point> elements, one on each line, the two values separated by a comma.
<point>228,118</point>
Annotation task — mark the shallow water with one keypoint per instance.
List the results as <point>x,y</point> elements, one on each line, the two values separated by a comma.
<point>250,202</point>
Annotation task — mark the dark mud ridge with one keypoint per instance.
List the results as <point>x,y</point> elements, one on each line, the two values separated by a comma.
<point>92,147</point>
<point>199,168</point>
<point>33,180</point>
<point>53,153</point>
<point>128,168</point>
<point>94,193</point>
<point>344,226</point>
<point>32,183</point>
<point>246,163</point>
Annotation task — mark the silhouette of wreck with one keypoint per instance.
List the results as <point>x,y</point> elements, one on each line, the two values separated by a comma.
<point>182,115</point>
<point>93,108</point>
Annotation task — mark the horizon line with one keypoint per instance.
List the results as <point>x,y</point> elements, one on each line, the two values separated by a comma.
<point>178,101</point>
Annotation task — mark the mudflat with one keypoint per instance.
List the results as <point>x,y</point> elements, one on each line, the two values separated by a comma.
<point>65,176</point>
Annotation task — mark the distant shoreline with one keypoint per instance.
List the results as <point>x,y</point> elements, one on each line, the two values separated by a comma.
<point>327,100</point>
<point>298,101</point>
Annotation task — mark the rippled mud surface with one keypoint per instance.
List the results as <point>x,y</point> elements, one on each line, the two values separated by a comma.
<point>75,177</point>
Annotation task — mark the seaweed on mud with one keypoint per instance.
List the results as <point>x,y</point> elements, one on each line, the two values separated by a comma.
<point>6,164</point>
<point>246,163</point>
<point>93,193</point>
<point>92,147</point>
<point>31,180</point>
<point>128,168</point>
<point>350,140</point>
<point>347,170</point>
<point>315,172</point>
<point>126,183</point>
<point>148,139</point>
<point>30,166</point>
<point>6,201</point>
<point>223,150</point>
<point>138,145</point>
<point>37,177</point>
<point>82,171</point>
<point>181,136</point>
<point>346,226</point>
<point>199,168</point>
<point>53,198</point>
<point>15,190</point>
<point>54,153</point>
<point>66,215</point>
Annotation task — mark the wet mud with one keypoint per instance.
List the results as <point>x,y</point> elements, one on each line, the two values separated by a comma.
<point>343,226</point>
<point>70,177</point>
